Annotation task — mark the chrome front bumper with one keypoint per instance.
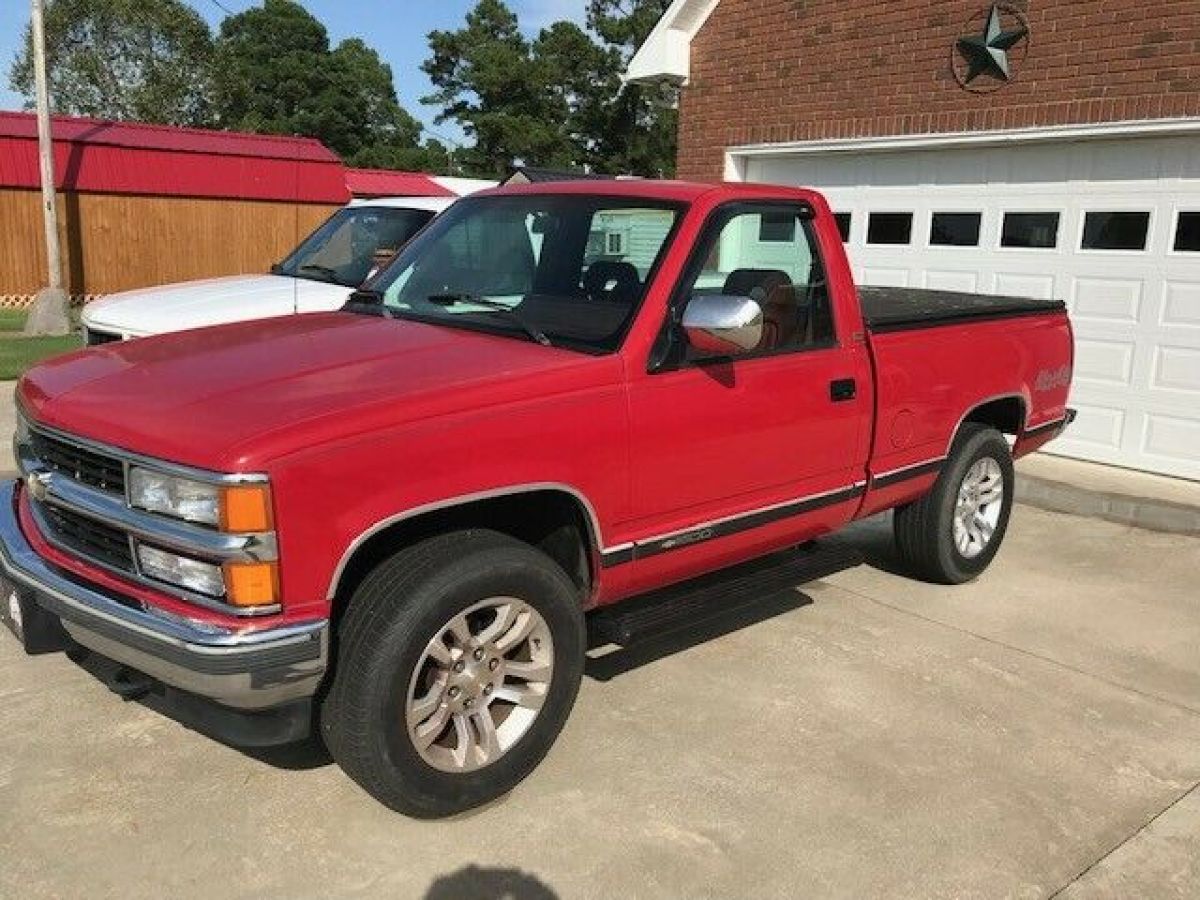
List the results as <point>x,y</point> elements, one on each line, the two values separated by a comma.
<point>247,669</point>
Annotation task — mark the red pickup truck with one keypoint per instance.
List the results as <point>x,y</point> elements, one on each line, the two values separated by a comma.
<point>396,522</point>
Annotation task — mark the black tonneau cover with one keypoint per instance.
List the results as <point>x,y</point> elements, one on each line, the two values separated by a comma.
<point>900,308</point>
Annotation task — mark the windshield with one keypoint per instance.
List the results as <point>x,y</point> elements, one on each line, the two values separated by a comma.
<point>353,243</point>
<point>568,270</point>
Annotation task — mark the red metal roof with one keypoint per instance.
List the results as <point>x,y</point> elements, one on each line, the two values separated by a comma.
<point>91,155</point>
<point>388,183</point>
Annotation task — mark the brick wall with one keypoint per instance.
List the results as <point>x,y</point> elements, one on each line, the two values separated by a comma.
<point>796,70</point>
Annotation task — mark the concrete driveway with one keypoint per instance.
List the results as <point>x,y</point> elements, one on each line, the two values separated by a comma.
<point>870,736</point>
<point>1034,733</point>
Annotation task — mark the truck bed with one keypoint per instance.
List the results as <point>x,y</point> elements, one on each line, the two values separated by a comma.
<point>902,309</point>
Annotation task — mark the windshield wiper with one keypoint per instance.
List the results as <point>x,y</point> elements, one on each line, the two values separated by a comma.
<point>370,301</point>
<point>329,273</point>
<point>470,299</point>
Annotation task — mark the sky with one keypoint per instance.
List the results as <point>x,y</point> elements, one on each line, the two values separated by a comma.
<point>397,29</point>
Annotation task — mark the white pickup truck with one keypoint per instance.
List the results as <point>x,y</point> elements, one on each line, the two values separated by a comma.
<point>317,276</point>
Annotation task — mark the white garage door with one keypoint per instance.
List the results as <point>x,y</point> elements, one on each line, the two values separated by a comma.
<point>1110,226</point>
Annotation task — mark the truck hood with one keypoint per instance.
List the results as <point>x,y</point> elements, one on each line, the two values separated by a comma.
<point>236,397</point>
<point>211,301</point>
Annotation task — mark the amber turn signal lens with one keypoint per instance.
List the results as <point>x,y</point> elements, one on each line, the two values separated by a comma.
<point>246,507</point>
<point>251,583</point>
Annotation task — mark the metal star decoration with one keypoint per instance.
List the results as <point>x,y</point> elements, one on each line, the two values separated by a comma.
<point>988,52</point>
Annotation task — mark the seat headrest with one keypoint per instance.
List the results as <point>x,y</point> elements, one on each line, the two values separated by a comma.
<point>757,284</point>
<point>610,278</point>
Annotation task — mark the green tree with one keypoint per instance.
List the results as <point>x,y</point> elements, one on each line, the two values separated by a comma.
<point>143,60</point>
<point>640,134</point>
<point>581,81</point>
<point>276,73</point>
<point>487,80</point>
<point>557,100</point>
<point>625,23</point>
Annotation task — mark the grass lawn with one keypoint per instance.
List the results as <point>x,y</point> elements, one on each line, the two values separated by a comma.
<point>18,353</point>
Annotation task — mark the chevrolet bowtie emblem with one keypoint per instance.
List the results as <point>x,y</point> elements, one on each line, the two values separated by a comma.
<point>38,485</point>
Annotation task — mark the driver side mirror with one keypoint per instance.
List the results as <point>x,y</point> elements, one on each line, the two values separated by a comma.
<point>722,325</point>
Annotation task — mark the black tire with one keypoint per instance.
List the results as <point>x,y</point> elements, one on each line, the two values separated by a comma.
<point>924,529</point>
<point>391,618</point>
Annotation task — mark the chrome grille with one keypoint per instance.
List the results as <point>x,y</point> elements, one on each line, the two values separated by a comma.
<point>84,465</point>
<point>76,492</point>
<point>97,540</point>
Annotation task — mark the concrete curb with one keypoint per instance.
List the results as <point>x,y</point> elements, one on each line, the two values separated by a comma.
<point>1124,509</point>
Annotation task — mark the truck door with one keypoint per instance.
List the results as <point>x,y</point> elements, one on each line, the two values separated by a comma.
<point>767,446</point>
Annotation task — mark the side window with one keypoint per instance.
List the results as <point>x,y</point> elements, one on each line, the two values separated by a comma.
<point>745,255</point>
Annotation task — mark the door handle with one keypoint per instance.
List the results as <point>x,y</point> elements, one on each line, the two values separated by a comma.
<point>842,389</point>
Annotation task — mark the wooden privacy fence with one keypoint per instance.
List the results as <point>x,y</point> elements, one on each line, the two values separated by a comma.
<point>117,242</point>
<point>141,205</point>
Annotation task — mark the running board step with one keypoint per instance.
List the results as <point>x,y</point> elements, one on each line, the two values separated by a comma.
<point>683,605</point>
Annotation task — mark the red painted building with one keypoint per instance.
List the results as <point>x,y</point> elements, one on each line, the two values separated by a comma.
<point>152,204</point>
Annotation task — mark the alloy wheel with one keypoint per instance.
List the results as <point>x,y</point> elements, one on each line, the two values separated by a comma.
<point>479,685</point>
<point>978,506</point>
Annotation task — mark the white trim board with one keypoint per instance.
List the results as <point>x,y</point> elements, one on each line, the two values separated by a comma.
<point>667,51</point>
<point>735,168</point>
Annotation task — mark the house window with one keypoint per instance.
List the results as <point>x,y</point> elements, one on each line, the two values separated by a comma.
<point>614,243</point>
<point>955,229</point>
<point>889,228</point>
<point>777,228</point>
<point>1115,230</point>
<point>1037,230</point>
<point>1187,232</point>
<point>843,226</point>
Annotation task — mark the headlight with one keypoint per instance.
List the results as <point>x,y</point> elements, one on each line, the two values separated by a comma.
<point>193,574</point>
<point>231,507</point>
<point>242,584</point>
<point>182,498</point>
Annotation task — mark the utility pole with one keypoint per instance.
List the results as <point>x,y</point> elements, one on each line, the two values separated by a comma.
<point>48,315</point>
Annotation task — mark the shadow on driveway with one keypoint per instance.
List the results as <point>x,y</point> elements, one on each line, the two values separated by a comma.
<point>479,883</point>
<point>607,661</point>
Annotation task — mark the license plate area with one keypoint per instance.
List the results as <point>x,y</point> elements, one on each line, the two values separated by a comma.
<point>37,630</point>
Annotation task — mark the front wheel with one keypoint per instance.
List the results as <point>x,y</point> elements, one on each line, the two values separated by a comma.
<point>458,662</point>
<point>952,533</point>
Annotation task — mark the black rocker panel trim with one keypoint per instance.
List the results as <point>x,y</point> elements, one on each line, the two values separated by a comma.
<point>702,533</point>
<point>1047,426</point>
<point>921,469</point>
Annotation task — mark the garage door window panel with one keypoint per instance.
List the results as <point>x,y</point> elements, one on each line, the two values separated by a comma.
<point>1187,232</point>
<point>890,228</point>
<point>786,279</point>
<point>955,229</point>
<point>1121,230</point>
<point>1030,230</point>
<point>843,220</point>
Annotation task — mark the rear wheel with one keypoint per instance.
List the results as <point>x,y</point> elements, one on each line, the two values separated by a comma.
<point>458,662</point>
<point>952,533</point>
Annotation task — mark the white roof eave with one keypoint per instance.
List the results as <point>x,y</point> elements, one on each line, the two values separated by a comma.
<point>666,53</point>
